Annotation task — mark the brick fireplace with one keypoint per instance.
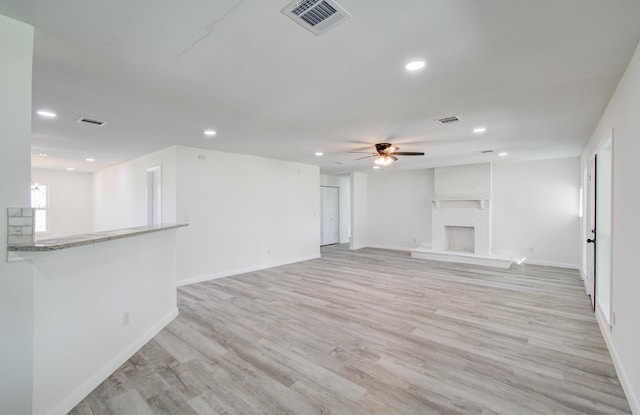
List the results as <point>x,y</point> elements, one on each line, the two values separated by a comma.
<point>461,216</point>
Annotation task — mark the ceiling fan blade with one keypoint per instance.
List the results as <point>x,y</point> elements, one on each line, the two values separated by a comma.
<point>365,157</point>
<point>409,153</point>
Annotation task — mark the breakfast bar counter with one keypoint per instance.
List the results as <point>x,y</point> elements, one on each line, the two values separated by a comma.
<point>88,238</point>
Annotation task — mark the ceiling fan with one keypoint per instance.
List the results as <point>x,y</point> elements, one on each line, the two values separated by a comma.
<point>386,153</point>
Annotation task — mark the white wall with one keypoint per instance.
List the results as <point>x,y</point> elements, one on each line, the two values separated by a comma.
<point>120,191</point>
<point>343,182</point>
<point>244,213</point>
<point>621,117</point>
<point>70,209</point>
<point>16,284</point>
<point>399,209</point>
<point>536,208</point>
<point>358,211</point>
<point>80,296</point>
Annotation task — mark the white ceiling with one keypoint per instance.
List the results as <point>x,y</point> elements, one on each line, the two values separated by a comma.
<point>536,74</point>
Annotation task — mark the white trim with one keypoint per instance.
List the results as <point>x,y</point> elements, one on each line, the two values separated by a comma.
<point>81,392</point>
<point>605,329</point>
<point>224,274</point>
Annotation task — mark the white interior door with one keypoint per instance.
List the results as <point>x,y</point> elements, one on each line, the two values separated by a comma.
<point>330,213</point>
<point>590,282</point>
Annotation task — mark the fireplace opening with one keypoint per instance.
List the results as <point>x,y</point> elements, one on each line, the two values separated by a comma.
<point>460,238</point>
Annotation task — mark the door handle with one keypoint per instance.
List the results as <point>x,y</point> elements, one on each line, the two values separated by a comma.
<point>591,241</point>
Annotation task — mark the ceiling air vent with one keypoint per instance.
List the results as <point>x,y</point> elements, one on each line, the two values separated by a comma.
<point>317,16</point>
<point>448,120</point>
<point>91,121</point>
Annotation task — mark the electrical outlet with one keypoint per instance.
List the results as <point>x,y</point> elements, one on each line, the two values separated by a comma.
<point>125,318</point>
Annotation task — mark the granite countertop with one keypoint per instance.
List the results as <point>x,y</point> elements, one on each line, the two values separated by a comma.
<point>89,238</point>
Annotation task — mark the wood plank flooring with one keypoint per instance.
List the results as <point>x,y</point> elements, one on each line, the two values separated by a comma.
<point>373,332</point>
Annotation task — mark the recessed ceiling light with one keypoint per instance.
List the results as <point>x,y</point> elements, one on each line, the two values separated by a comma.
<point>319,153</point>
<point>39,154</point>
<point>415,65</point>
<point>479,130</point>
<point>46,114</point>
<point>210,133</point>
<point>90,160</point>
<point>70,168</point>
<point>503,154</point>
<point>376,167</point>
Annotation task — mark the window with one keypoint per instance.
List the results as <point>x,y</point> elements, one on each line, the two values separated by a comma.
<point>39,201</point>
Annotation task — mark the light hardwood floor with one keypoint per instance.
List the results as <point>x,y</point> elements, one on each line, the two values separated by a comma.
<point>373,332</point>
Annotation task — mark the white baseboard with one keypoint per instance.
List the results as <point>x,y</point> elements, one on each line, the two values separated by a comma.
<point>630,392</point>
<point>224,274</point>
<point>356,247</point>
<point>118,360</point>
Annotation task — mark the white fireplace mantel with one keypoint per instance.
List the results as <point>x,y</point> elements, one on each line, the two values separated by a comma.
<point>480,203</point>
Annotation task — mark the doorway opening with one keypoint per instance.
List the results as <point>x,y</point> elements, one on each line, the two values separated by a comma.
<point>154,195</point>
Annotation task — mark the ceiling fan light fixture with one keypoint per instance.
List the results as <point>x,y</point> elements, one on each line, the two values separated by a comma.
<point>384,161</point>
